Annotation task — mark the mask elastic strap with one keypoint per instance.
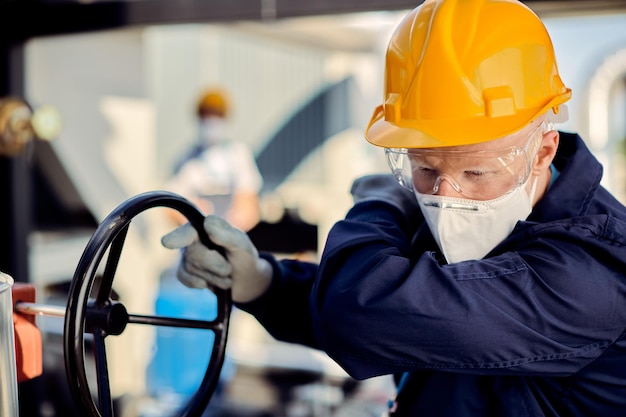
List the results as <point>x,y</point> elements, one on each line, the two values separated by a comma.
<point>533,190</point>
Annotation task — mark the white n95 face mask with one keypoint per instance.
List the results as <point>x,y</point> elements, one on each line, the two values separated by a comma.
<point>469,229</point>
<point>213,130</point>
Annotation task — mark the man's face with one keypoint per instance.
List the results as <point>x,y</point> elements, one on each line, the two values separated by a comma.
<point>481,171</point>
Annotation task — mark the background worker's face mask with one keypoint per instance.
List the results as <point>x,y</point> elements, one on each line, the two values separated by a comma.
<point>213,130</point>
<point>491,182</point>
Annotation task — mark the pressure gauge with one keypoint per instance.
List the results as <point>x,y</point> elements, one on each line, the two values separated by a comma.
<point>19,125</point>
<point>15,127</point>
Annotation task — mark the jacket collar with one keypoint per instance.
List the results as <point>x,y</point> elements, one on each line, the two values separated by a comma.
<point>579,178</point>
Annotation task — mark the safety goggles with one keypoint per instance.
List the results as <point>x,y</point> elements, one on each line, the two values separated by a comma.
<point>476,175</point>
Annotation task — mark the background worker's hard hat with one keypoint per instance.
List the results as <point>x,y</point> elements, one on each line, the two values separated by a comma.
<point>465,71</point>
<point>213,101</point>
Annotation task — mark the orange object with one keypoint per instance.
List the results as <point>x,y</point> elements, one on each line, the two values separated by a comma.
<point>214,101</point>
<point>28,345</point>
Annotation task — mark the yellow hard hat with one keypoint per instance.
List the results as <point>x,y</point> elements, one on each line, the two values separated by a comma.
<point>213,101</point>
<point>460,72</point>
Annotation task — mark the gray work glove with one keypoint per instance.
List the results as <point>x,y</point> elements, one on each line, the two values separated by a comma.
<point>242,269</point>
<point>383,187</point>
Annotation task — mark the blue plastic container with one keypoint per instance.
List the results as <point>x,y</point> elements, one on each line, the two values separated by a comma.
<point>180,355</point>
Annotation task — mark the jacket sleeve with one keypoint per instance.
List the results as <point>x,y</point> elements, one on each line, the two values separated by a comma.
<point>541,304</point>
<point>283,309</point>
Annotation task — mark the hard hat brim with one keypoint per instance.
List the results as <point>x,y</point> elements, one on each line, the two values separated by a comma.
<point>436,134</point>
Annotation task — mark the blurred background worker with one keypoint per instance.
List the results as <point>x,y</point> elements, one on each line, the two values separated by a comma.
<point>218,174</point>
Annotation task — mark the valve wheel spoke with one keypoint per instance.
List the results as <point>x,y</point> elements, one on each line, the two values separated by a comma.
<point>115,252</point>
<point>104,388</point>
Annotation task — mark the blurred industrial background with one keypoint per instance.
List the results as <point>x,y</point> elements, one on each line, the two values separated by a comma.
<point>304,77</point>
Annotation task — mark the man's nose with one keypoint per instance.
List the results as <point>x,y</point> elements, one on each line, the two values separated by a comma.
<point>446,186</point>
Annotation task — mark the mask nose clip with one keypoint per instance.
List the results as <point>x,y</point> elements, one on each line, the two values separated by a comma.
<point>449,180</point>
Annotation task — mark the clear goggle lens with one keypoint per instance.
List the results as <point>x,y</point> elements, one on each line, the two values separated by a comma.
<point>476,175</point>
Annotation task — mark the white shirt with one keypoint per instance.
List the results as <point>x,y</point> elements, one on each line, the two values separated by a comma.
<point>217,173</point>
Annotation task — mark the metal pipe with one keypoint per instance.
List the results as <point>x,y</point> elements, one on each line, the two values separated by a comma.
<point>8,371</point>
<point>35,309</point>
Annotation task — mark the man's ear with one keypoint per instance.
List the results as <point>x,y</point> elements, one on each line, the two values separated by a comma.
<point>546,152</point>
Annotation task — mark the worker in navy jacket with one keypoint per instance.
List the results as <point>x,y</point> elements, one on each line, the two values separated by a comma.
<point>487,273</point>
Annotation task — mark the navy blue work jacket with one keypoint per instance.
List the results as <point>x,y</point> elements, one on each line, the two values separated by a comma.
<point>536,328</point>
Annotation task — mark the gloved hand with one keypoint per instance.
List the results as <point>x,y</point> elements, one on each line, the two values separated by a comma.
<point>243,270</point>
<point>383,187</point>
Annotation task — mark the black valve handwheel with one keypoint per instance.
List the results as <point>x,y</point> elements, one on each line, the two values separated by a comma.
<point>90,308</point>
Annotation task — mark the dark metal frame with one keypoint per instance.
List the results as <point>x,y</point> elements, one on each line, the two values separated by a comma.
<point>24,19</point>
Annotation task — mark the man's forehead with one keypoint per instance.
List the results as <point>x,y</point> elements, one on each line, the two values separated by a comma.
<point>518,139</point>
